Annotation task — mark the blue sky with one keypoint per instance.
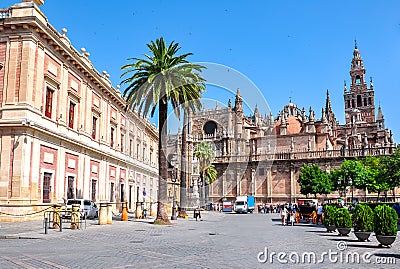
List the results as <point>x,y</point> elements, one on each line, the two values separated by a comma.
<point>295,49</point>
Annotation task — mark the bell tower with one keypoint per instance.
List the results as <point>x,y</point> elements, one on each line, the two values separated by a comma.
<point>359,101</point>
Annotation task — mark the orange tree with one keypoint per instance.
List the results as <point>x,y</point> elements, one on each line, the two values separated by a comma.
<point>314,180</point>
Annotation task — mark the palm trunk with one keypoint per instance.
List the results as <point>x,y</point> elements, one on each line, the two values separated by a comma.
<point>162,214</point>
<point>203,192</point>
<point>206,190</point>
<point>183,203</point>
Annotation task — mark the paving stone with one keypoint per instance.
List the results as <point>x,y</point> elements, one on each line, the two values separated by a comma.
<point>219,241</point>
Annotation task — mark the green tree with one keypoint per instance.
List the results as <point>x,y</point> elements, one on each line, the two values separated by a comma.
<point>355,174</point>
<point>352,173</point>
<point>314,180</point>
<point>160,79</point>
<point>391,170</point>
<point>205,154</point>
<point>336,176</point>
<point>376,171</point>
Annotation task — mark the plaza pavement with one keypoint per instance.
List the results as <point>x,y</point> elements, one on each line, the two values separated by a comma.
<point>221,240</point>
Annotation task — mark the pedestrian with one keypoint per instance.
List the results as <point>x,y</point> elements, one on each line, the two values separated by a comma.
<point>320,210</point>
<point>197,213</point>
<point>283,214</point>
<point>292,215</point>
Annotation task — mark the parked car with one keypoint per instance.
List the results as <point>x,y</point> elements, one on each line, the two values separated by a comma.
<point>87,207</point>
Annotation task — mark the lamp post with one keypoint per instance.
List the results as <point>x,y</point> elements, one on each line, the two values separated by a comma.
<point>173,180</point>
<point>352,189</point>
<point>342,185</point>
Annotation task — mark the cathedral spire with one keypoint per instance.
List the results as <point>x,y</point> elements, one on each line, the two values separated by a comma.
<point>311,117</point>
<point>380,114</point>
<point>323,117</point>
<point>380,119</point>
<point>256,112</point>
<point>328,101</point>
<point>330,116</point>
<point>357,68</point>
<point>359,97</point>
<point>238,102</point>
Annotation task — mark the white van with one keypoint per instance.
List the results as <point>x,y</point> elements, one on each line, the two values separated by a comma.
<point>87,207</point>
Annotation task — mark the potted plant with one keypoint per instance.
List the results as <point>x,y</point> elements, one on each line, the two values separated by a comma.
<point>385,224</point>
<point>329,218</point>
<point>363,221</point>
<point>343,221</point>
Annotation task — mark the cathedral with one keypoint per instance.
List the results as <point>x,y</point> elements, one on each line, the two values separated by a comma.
<point>262,155</point>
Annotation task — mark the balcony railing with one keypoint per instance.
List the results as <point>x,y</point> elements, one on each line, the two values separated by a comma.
<point>355,152</point>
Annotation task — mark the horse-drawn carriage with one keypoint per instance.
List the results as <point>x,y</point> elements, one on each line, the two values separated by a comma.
<point>307,210</point>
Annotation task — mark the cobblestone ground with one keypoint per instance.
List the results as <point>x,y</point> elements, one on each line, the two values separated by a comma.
<point>219,241</point>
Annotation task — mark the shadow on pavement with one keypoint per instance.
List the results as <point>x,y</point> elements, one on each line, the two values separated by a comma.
<point>397,256</point>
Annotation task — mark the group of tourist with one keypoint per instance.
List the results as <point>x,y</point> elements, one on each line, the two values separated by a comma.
<point>270,208</point>
<point>287,213</point>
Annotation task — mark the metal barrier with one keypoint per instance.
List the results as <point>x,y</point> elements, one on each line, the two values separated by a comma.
<point>55,219</point>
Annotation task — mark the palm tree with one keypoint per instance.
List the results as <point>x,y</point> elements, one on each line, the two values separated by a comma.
<point>205,154</point>
<point>163,78</point>
<point>210,174</point>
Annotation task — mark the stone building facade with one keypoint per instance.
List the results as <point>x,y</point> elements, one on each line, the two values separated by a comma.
<point>64,131</point>
<point>262,155</point>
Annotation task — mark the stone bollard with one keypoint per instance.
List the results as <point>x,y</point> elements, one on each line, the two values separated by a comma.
<point>56,216</point>
<point>75,217</point>
<point>109,213</point>
<point>103,214</point>
<point>138,214</point>
<point>124,214</point>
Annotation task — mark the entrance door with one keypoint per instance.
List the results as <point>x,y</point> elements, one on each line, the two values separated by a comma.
<point>46,187</point>
<point>70,191</point>
<point>122,193</point>
<point>112,192</point>
<point>130,196</point>
<point>94,188</point>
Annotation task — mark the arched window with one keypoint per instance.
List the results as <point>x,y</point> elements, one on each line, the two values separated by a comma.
<point>359,103</point>
<point>358,80</point>
<point>210,128</point>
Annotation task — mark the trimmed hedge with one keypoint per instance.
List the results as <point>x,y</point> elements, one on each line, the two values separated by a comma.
<point>385,220</point>
<point>342,218</point>
<point>363,218</point>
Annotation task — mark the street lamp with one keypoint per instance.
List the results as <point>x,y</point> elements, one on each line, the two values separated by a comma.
<point>352,189</point>
<point>343,187</point>
<point>173,180</point>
